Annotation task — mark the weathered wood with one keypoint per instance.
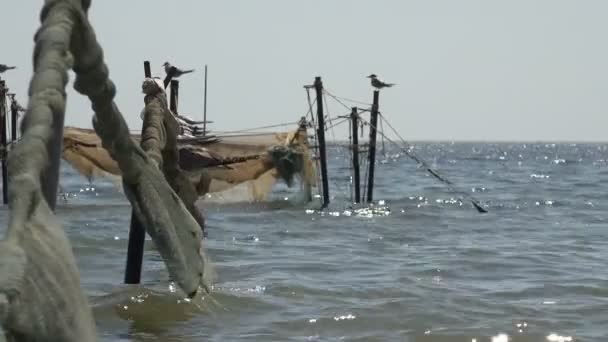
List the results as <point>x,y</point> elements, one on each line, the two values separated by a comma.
<point>137,233</point>
<point>321,137</point>
<point>14,120</point>
<point>3,141</point>
<point>174,96</point>
<point>135,251</point>
<point>169,77</point>
<point>354,117</point>
<point>372,147</point>
<point>147,70</point>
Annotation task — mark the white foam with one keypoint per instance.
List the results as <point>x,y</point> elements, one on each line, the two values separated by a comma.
<point>345,317</point>
<point>559,338</point>
<point>500,338</point>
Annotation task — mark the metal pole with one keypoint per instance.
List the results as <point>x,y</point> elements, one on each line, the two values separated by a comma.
<point>355,134</point>
<point>3,141</point>
<point>321,134</point>
<point>372,147</point>
<point>137,234</point>
<point>205,105</point>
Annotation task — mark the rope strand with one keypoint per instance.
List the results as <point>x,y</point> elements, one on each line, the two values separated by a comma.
<point>434,173</point>
<point>261,127</point>
<point>337,98</point>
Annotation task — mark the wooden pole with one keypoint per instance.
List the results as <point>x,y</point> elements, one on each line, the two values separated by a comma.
<point>205,105</point>
<point>354,117</point>
<point>321,134</point>
<point>137,234</point>
<point>173,96</point>
<point>169,77</point>
<point>14,120</point>
<point>372,147</point>
<point>147,71</point>
<point>135,251</point>
<point>3,141</point>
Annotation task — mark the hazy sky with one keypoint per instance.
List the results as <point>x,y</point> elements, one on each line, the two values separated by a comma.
<point>466,70</point>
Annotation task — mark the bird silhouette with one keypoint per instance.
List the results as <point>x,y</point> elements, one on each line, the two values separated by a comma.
<point>177,72</point>
<point>4,68</point>
<point>378,84</point>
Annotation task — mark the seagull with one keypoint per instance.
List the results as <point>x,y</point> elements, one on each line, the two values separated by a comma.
<point>4,67</point>
<point>177,72</point>
<point>378,84</point>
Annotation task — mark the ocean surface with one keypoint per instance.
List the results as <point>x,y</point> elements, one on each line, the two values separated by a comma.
<point>419,265</point>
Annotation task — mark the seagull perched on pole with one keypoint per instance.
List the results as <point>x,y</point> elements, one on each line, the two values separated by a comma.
<point>4,67</point>
<point>378,84</point>
<point>177,72</point>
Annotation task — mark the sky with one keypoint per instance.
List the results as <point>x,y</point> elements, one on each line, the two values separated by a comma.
<point>467,70</point>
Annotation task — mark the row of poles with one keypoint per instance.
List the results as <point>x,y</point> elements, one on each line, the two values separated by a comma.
<point>354,117</point>
<point>137,231</point>
<point>355,147</point>
<point>4,144</point>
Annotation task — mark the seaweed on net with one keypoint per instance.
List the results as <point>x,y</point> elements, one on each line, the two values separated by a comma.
<point>287,161</point>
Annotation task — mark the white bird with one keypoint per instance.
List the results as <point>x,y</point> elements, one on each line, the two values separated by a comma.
<point>4,67</point>
<point>378,84</point>
<point>177,72</point>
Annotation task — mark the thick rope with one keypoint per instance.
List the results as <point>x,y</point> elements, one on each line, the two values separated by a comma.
<point>174,231</point>
<point>40,294</point>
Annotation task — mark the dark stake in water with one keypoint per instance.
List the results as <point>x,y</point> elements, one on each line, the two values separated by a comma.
<point>422,266</point>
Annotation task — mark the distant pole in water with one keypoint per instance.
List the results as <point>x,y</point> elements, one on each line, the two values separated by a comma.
<point>354,117</point>
<point>14,119</point>
<point>372,147</point>
<point>137,234</point>
<point>321,134</point>
<point>3,141</point>
<point>205,105</point>
<point>174,96</point>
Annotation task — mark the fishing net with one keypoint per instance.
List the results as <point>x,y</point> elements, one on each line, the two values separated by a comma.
<point>231,168</point>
